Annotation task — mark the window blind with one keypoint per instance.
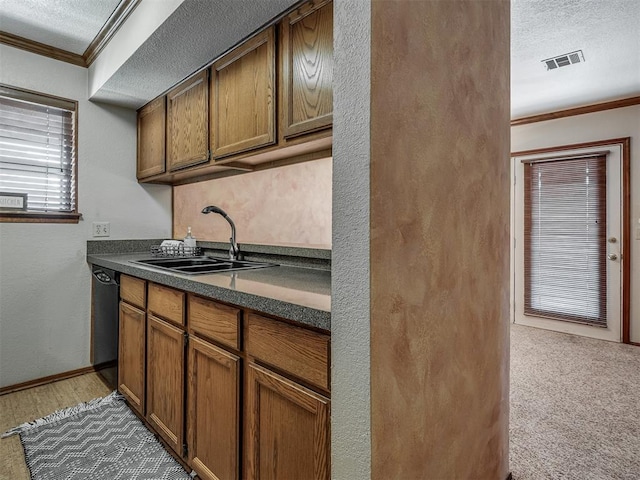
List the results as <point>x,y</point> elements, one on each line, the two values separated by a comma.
<point>37,150</point>
<point>565,240</point>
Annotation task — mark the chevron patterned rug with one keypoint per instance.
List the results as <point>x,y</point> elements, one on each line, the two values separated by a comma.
<point>98,440</point>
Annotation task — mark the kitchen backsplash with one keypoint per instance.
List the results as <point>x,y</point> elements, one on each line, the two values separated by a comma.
<point>282,206</point>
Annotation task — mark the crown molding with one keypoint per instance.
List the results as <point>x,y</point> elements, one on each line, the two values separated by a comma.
<point>111,26</point>
<point>42,49</point>
<point>108,30</point>
<point>596,107</point>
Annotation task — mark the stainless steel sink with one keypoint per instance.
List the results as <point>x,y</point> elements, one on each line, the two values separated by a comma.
<point>201,265</point>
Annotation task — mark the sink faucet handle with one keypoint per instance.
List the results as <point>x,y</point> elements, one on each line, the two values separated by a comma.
<point>234,250</point>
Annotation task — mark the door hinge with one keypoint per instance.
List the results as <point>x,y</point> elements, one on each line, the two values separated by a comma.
<point>185,337</point>
<point>185,450</point>
<point>514,242</point>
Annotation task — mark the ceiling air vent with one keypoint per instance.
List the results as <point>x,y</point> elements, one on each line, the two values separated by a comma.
<point>564,60</point>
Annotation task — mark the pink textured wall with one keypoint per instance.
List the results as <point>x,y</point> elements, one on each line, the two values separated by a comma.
<point>282,206</point>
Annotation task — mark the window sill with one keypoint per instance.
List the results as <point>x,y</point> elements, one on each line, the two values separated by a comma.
<point>39,217</point>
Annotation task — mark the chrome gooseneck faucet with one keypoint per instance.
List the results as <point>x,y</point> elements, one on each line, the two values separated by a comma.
<point>234,251</point>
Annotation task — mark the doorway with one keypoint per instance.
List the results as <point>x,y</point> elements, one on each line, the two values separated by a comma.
<point>569,267</point>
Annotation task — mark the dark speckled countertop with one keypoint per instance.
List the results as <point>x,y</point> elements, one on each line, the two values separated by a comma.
<point>299,294</point>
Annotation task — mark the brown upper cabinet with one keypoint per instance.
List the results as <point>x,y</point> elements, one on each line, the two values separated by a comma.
<point>243,97</point>
<point>265,103</point>
<point>151,138</point>
<point>187,123</point>
<point>306,69</point>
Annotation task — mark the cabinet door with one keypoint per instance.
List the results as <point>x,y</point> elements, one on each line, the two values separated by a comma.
<point>131,346</point>
<point>165,381</point>
<point>306,69</point>
<point>151,138</point>
<point>188,127</point>
<point>242,98</point>
<point>287,429</point>
<point>213,417</point>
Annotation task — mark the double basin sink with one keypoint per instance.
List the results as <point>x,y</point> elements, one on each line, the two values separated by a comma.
<point>201,265</point>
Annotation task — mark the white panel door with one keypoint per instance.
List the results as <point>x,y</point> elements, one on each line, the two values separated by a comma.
<point>614,250</point>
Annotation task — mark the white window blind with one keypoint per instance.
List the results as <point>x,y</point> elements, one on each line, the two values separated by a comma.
<point>37,150</point>
<point>565,240</point>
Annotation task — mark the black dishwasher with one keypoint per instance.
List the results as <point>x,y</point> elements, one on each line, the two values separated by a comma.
<point>104,326</point>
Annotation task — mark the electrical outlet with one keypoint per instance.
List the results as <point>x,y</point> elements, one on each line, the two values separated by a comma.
<point>101,229</point>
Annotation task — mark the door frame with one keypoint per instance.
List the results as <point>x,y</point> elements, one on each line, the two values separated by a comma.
<point>625,145</point>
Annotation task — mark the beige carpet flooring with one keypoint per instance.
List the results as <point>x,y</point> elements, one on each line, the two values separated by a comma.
<point>575,407</point>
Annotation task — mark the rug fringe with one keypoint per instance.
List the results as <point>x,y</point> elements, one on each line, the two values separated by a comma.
<point>64,413</point>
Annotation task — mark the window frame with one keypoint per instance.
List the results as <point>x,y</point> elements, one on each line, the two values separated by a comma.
<point>7,216</point>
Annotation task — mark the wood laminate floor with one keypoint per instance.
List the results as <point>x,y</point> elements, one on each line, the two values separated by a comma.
<point>27,405</point>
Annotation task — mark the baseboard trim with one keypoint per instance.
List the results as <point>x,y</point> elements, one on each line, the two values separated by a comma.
<point>634,343</point>
<point>54,378</point>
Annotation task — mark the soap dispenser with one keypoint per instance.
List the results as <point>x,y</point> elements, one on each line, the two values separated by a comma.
<point>189,240</point>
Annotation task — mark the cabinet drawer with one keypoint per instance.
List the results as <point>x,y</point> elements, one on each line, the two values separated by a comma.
<point>166,303</point>
<point>133,291</point>
<point>295,350</point>
<point>214,321</point>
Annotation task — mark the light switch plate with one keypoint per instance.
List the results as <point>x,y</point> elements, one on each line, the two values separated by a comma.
<point>101,229</point>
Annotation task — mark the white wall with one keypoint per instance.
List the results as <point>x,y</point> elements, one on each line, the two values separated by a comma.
<point>45,282</point>
<point>609,124</point>
<point>350,272</point>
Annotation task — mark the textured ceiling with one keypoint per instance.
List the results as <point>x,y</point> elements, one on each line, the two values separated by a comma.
<point>70,25</point>
<point>197,32</point>
<point>607,32</point>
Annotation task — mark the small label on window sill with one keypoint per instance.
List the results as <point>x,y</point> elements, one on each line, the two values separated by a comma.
<point>13,201</point>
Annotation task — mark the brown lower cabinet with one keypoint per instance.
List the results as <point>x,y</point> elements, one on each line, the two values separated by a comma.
<point>165,380</point>
<point>287,429</point>
<point>210,397</point>
<point>131,355</point>
<point>214,411</point>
